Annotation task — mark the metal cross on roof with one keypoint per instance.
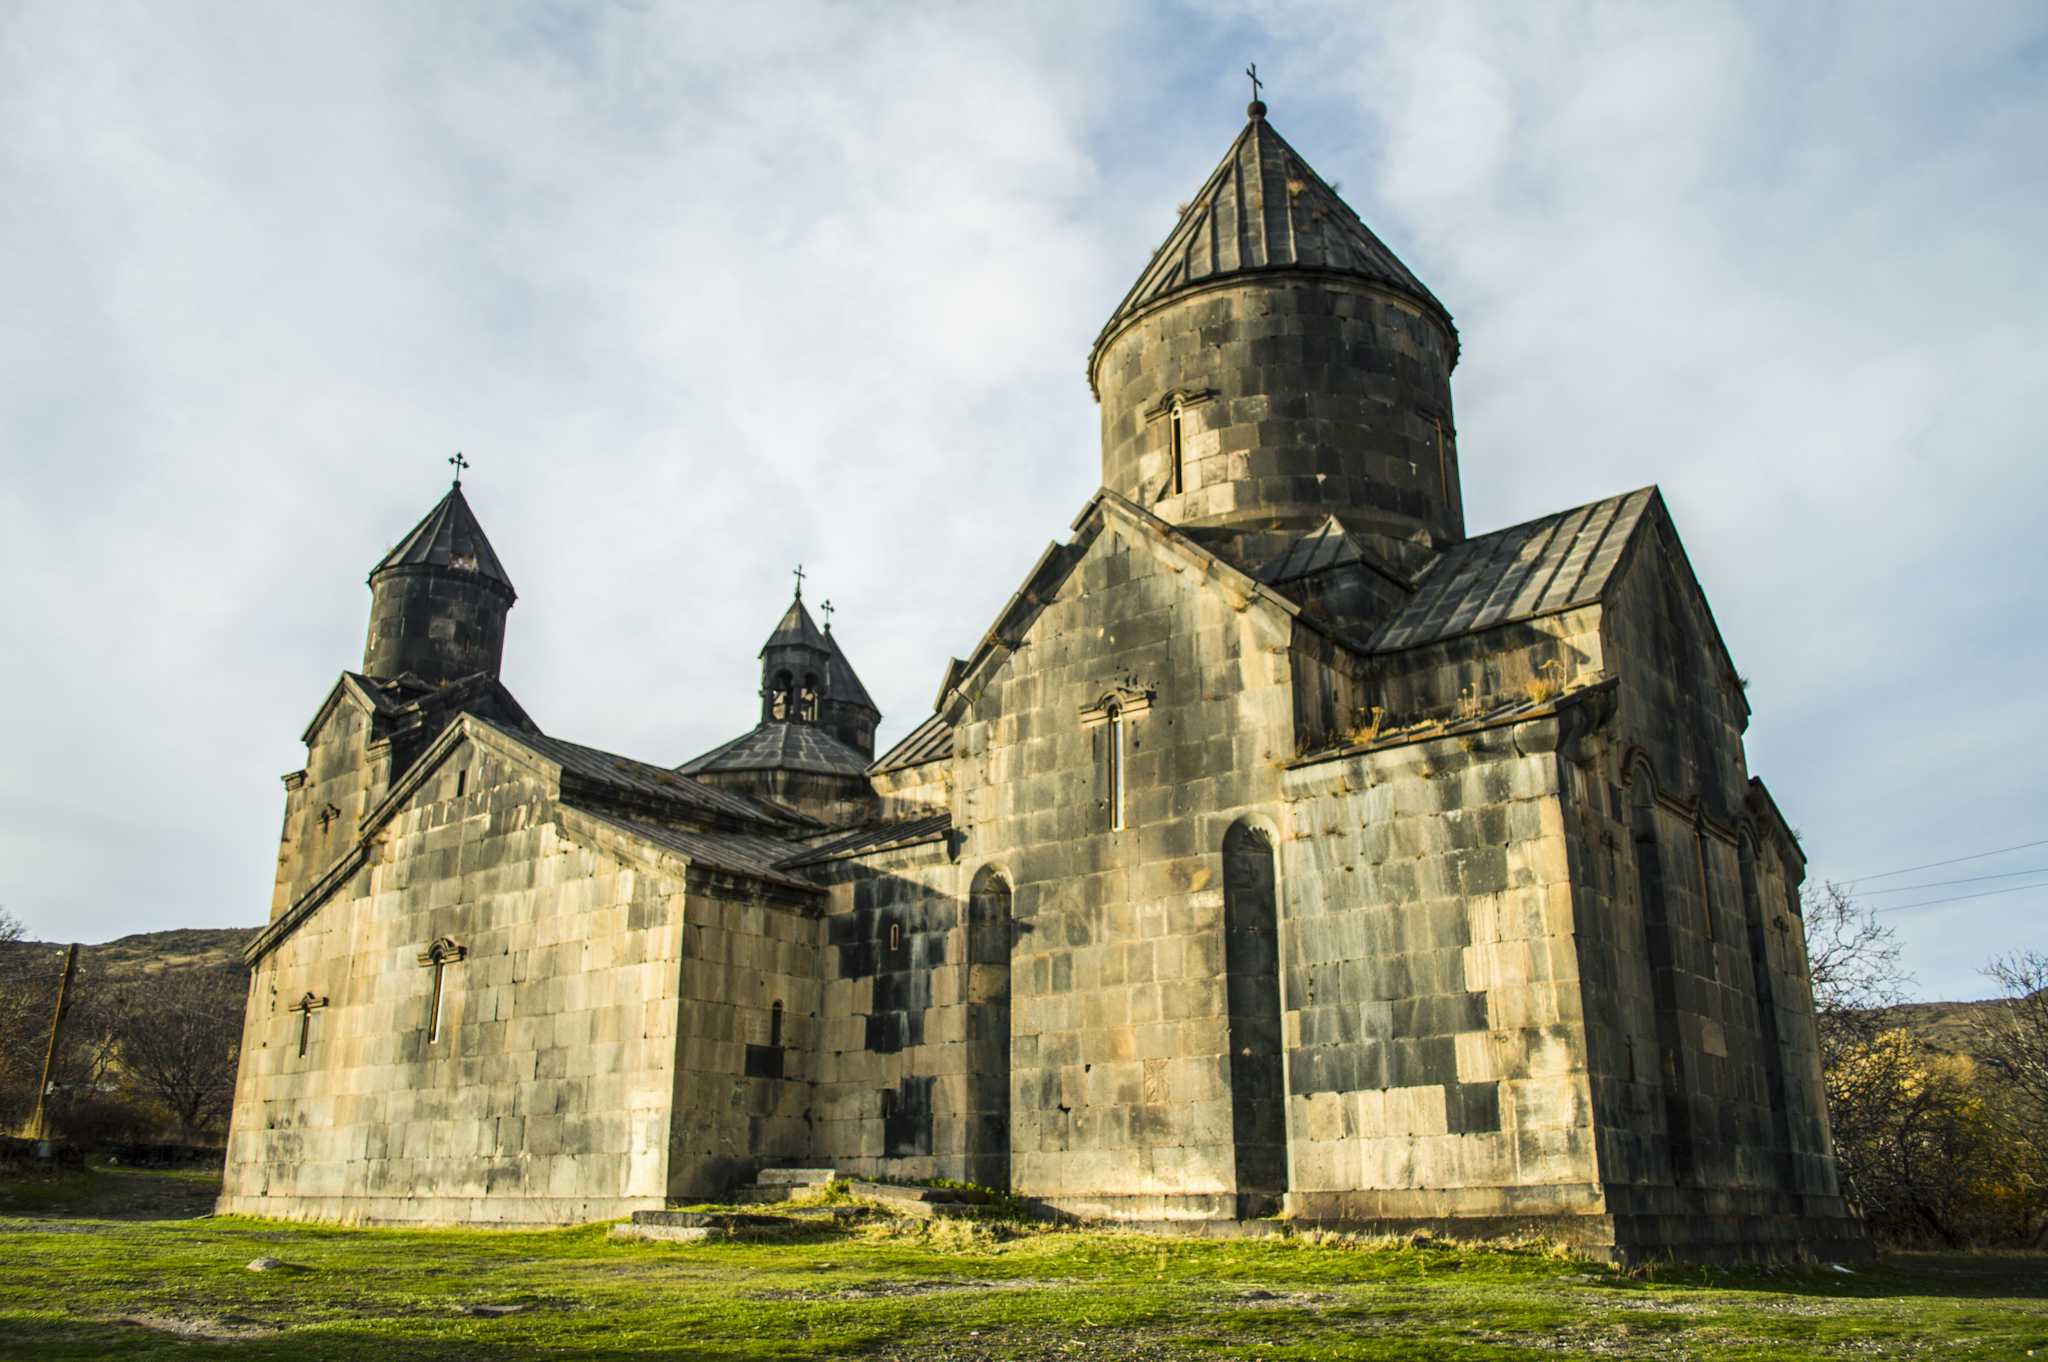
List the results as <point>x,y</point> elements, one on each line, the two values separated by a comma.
<point>799,581</point>
<point>460,464</point>
<point>827,608</point>
<point>1253,71</point>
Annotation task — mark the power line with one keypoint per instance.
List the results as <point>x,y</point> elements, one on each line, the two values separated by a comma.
<point>1972,879</point>
<point>1953,860</point>
<point>1959,898</point>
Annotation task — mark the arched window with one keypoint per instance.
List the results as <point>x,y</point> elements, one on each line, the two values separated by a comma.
<point>808,701</point>
<point>778,696</point>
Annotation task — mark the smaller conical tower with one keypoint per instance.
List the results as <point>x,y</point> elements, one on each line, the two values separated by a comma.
<point>438,601</point>
<point>795,664</point>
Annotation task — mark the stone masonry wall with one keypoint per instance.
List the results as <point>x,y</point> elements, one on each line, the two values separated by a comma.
<point>1121,1089</point>
<point>891,1096</point>
<point>1306,396</point>
<point>1706,1075</point>
<point>750,1024</point>
<point>1436,1056</point>
<point>325,803</point>
<point>545,1097</point>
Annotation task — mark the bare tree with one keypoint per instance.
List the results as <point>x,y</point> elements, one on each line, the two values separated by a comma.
<point>2014,1039</point>
<point>178,1039</point>
<point>1853,960</point>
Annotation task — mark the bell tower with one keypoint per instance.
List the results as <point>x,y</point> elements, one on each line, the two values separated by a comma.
<point>1276,364</point>
<point>438,601</point>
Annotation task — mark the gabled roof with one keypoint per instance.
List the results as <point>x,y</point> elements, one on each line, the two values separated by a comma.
<point>875,837</point>
<point>1329,545</point>
<point>796,629</point>
<point>642,781</point>
<point>1544,565</point>
<point>732,852</point>
<point>779,745</point>
<point>448,537</point>
<point>588,781</point>
<point>1263,208</point>
<point>388,699</point>
<point>931,740</point>
<point>1053,566</point>
<point>841,684</point>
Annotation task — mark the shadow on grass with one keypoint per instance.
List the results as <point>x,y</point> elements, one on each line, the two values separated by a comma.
<point>1965,1276</point>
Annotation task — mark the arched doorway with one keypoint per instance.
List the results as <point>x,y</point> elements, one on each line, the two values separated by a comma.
<point>1251,958</point>
<point>988,1029</point>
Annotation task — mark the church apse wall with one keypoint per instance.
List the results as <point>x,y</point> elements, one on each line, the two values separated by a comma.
<point>479,1027</point>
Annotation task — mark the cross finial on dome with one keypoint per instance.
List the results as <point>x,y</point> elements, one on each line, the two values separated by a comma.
<point>1257,108</point>
<point>799,574</point>
<point>460,464</point>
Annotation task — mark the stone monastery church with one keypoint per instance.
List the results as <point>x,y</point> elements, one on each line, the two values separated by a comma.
<point>1280,849</point>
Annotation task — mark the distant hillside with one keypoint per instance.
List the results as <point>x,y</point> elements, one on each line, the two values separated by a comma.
<point>146,953</point>
<point>1951,1028</point>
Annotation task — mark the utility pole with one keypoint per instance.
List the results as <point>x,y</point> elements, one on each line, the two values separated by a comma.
<point>37,1119</point>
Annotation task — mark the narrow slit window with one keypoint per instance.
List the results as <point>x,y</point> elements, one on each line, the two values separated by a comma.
<point>434,1006</point>
<point>1699,851</point>
<point>1443,460</point>
<point>895,936</point>
<point>775,1023</point>
<point>461,783</point>
<point>1176,449</point>
<point>1115,757</point>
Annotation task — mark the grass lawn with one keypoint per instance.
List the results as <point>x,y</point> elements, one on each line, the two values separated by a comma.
<point>80,1278</point>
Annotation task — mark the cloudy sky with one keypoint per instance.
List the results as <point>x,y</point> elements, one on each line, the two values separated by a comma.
<point>707,290</point>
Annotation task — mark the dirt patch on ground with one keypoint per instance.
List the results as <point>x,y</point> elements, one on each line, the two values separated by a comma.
<point>201,1327</point>
<point>875,1291</point>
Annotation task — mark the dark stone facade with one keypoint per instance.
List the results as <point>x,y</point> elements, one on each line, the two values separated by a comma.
<point>1280,850</point>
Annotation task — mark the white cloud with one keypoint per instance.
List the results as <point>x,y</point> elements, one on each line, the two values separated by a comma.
<point>704,291</point>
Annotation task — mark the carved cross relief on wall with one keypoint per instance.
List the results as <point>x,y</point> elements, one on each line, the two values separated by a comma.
<point>439,956</point>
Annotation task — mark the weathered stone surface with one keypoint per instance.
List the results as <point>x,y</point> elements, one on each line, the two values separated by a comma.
<point>1279,851</point>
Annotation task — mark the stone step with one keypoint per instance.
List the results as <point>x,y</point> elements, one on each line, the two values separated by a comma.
<point>804,1177</point>
<point>891,1191</point>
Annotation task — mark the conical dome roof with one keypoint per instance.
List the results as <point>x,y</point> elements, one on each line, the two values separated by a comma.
<point>796,629</point>
<point>1263,209</point>
<point>840,681</point>
<point>448,537</point>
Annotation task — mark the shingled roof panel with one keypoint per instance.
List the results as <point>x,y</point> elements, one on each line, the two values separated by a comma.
<point>875,837</point>
<point>638,777</point>
<point>931,740</point>
<point>777,745</point>
<point>1541,566</point>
